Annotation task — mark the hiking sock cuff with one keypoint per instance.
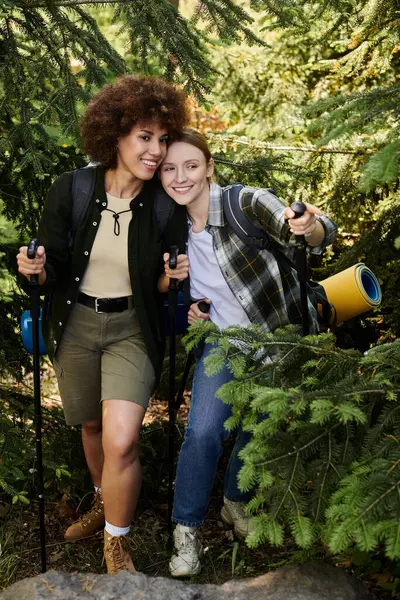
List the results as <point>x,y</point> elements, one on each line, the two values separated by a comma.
<point>117,531</point>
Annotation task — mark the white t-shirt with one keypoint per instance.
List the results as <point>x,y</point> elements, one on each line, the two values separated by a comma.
<point>207,281</point>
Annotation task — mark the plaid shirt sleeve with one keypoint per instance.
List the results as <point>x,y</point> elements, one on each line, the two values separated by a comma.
<point>330,229</point>
<point>266,208</point>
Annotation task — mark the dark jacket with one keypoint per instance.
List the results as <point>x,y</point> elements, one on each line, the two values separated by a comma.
<point>66,262</point>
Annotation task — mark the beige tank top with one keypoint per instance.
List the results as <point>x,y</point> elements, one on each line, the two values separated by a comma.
<point>107,274</point>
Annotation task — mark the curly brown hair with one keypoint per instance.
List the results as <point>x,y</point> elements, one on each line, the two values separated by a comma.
<point>119,106</point>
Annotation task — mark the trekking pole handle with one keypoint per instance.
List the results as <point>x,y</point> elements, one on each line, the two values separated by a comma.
<point>172,263</point>
<point>299,208</point>
<point>31,253</point>
<point>203,306</point>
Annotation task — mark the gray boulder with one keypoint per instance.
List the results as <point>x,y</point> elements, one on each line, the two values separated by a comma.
<point>303,582</point>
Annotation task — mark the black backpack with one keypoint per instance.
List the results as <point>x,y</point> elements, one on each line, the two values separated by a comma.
<point>83,182</point>
<point>255,236</point>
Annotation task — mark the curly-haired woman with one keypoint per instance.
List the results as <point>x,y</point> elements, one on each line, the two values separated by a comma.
<point>103,324</point>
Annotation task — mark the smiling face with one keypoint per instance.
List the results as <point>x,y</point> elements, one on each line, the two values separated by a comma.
<point>141,152</point>
<point>184,174</point>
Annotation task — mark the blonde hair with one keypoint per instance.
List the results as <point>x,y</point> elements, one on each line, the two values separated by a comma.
<point>196,139</point>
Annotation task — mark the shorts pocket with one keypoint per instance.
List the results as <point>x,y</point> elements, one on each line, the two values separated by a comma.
<point>148,375</point>
<point>58,369</point>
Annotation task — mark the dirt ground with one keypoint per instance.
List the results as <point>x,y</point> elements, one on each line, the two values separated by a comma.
<point>225,557</point>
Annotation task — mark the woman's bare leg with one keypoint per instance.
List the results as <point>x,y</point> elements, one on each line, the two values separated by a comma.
<point>122,474</point>
<point>93,448</point>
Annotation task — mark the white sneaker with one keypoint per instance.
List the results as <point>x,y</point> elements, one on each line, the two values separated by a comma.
<point>187,552</point>
<point>233,514</point>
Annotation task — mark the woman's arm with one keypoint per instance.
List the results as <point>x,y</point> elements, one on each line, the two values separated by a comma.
<point>307,225</point>
<point>55,226</point>
<point>277,220</point>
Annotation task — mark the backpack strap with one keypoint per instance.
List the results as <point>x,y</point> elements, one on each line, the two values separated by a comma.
<point>326,310</point>
<point>250,233</point>
<point>83,182</point>
<point>246,230</point>
<point>164,208</point>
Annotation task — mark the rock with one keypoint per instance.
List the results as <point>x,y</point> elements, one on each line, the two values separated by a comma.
<point>303,582</point>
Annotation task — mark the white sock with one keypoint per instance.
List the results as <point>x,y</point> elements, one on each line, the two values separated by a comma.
<point>97,489</point>
<point>117,531</point>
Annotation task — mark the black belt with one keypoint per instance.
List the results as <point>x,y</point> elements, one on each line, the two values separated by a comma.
<point>106,305</point>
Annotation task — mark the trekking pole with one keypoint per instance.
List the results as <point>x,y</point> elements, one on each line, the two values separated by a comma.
<point>205,308</point>
<point>172,306</point>
<point>35,312</point>
<point>299,208</point>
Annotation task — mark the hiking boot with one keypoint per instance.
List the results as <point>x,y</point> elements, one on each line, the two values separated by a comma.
<point>116,554</point>
<point>188,551</point>
<point>89,523</point>
<point>233,514</point>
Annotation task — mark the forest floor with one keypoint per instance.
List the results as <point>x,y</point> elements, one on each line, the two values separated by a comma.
<point>225,557</point>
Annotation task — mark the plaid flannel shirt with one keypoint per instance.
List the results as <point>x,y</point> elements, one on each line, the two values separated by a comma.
<point>268,292</point>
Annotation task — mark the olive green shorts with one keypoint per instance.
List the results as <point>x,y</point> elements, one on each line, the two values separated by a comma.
<point>101,356</point>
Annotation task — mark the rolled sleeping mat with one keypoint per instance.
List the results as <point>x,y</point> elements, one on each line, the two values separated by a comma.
<point>352,292</point>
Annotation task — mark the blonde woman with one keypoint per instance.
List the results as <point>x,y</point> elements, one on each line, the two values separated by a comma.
<point>242,285</point>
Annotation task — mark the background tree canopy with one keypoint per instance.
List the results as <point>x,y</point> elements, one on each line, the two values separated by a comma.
<point>301,96</point>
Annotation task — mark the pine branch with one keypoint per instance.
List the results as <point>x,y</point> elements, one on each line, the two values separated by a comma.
<point>288,488</point>
<point>257,144</point>
<point>298,450</point>
<point>379,499</point>
<point>67,3</point>
<point>322,487</point>
<point>308,430</point>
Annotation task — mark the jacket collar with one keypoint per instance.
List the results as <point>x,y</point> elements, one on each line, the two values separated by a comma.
<point>100,190</point>
<point>99,187</point>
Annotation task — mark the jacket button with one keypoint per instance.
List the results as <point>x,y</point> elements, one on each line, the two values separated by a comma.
<point>97,200</point>
<point>55,343</point>
<point>68,301</point>
<point>104,203</point>
<point>95,223</point>
<point>60,323</point>
<point>76,278</point>
<point>86,253</point>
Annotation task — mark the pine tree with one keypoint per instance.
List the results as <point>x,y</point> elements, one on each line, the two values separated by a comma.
<point>324,92</point>
<point>323,459</point>
<point>338,60</point>
<point>54,57</point>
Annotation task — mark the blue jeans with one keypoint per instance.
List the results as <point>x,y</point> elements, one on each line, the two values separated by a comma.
<point>202,448</point>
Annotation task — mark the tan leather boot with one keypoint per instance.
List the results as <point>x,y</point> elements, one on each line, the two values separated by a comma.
<point>89,523</point>
<point>116,554</point>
